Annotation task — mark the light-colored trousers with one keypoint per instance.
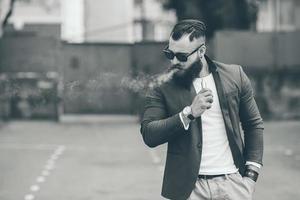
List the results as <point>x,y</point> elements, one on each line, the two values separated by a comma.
<point>230,187</point>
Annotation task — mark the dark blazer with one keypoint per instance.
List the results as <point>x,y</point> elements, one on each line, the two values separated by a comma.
<point>161,124</point>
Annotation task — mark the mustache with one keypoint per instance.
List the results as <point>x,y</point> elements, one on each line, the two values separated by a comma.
<point>186,78</point>
<point>177,67</point>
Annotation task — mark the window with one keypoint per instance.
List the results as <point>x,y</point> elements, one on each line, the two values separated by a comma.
<point>287,15</point>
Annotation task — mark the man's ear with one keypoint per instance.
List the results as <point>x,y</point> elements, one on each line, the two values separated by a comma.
<point>201,51</point>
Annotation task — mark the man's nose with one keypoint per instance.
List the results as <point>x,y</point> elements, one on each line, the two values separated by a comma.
<point>175,61</point>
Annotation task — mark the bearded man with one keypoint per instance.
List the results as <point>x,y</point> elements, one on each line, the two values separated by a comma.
<point>198,113</point>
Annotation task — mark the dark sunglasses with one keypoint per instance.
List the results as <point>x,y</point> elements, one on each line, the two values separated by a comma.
<point>182,57</point>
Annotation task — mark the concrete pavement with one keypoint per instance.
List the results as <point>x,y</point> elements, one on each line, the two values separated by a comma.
<point>103,159</point>
<point>92,158</point>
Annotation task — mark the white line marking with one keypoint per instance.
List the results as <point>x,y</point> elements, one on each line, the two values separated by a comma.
<point>29,197</point>
<point>60,150</point>
<point>50,162</point>
<point>35,188</point>
<point>40,179</point>
<point>45,173</point>
<point>57,153</point>
<point>50,165</point>
<point>62,147</point>
<point>54,157</point>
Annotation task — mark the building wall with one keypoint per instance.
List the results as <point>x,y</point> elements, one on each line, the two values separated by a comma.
<point>72,23</point>
<point>98,21</point>
<point>108,21</point>
<point>156,21</point>
<point>93,77</point>
<point>27,89</point>
<point>108,77</point>
<point>297,14</point>
<point>258,50</point>
<point>115,21</point>
<point>29,54</point>
<point>37,30</point>
<point>278,15</point>
<point>271,60</point>
<point>148,57</point>
<point>35,11</point>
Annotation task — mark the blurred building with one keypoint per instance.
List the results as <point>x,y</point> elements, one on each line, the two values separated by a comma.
<point>125,21</point>
<point>91,78</point>
<point>4,9</point>
<point>278,15</point>
<point>152,22</point>
<point>115,21</point>
<point>32,17</point>
<point>35,12</point>
<point>97,21</point>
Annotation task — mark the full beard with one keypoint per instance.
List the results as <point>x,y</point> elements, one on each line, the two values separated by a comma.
<point>185,77</point>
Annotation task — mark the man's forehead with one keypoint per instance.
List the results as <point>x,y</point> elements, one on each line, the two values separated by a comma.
<point>184,44</point>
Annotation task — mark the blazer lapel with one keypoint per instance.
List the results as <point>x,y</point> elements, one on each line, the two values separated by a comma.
<point>223,102</point>
<point>221,94</point>
<point>220,91</point>
<point>226,116</point>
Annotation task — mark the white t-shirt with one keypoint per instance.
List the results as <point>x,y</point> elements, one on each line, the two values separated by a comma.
<point>216,154</point>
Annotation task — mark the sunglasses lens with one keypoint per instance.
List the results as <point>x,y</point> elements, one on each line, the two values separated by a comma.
<point>181,58</point>
<point>169,55</point>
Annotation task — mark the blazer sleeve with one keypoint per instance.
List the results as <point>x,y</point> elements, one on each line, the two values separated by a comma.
<point>156,126</point>
<point>251,121</point>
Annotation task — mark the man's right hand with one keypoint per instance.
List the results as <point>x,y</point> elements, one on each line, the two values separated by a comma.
<point>202,102</point>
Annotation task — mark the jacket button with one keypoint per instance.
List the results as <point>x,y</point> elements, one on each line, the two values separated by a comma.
<point>199,145</point>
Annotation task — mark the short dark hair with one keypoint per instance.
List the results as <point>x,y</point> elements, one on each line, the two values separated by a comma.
<point>193,27</point>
